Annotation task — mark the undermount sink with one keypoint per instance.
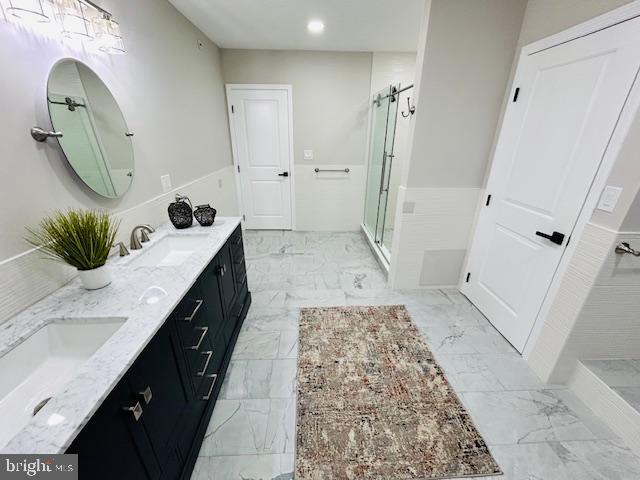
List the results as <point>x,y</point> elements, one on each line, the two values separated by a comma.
<point>39,367</point>
<point>169,251</point>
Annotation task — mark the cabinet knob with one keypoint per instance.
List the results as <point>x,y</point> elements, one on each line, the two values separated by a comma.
<point>146,395</point>
<point>136,411</point>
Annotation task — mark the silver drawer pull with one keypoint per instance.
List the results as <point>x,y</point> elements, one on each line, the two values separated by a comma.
<point>136,410</point>
<point>213,376</point>
<point>209,354</point>
<point>195,311</point>
<point>146,395</point>
<point>204,334</point>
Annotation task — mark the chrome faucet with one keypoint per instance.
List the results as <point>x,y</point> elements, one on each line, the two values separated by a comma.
<point>123,249</point>
<point>136,243</point>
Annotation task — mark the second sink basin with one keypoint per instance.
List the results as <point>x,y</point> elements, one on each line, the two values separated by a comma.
<point>169,251</point>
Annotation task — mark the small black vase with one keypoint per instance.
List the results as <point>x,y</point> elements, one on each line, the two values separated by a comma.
<point>181,213</point>
<point>205,214</point>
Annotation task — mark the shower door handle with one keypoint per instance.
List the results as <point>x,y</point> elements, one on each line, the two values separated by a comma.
<point>390,156</point>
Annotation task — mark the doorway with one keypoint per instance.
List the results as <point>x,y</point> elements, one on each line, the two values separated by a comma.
<point>564,108</point>
<point>261,124</point>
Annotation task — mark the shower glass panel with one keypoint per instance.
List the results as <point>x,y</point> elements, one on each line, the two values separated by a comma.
<point>383,124</point>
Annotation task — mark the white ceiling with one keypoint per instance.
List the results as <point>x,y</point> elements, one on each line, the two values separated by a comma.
<point>350,25</point>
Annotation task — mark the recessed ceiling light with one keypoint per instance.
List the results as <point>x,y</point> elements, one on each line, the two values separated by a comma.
<point>315,26</point>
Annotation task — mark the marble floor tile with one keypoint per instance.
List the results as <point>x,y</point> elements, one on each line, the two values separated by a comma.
<point>449,315</point>
<point>237,427</point>
<point>615,373</point>
<point>245,467</point>
<point>288,346</point>
<point>631,395</point>
<point>281,426</point>
<point>526,416</point>
<point>426,297</point>
<point>283,379</point>
<point>256,346</point>
<point>462,339</point>
<point>535,431</point>
<point>247,379</point>
<point>271,319</point>
<point>300,298</point>
<point>467,373</point>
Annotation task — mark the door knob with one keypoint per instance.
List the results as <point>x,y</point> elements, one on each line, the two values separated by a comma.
<point>283,174</point>
<point>555,237</point>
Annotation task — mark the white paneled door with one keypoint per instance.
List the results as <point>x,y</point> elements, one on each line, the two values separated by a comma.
<point>565,105</point>
<point>261,131</point>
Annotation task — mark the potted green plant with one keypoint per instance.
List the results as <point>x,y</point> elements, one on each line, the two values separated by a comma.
<point>80,238</point>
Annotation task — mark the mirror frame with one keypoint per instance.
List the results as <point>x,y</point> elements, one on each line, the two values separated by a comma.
<point>58,141</point>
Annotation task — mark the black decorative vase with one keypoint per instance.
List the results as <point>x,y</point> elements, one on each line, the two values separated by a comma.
<point>205,214</point>
<point>181,212</point>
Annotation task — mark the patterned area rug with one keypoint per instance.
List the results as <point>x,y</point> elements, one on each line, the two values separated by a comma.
<point>374,404</point>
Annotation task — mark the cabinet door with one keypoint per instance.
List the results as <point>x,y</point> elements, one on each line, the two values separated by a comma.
<point>156,381</point>
<point>211,291</point>
<point>226,278</point>
<point>114,444</point>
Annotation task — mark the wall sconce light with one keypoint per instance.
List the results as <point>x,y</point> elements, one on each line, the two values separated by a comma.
<point>74,19</point>
<point>107,34</point>
<point>28,11</point>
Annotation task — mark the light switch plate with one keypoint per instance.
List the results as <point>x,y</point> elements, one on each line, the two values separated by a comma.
<point>165,181</point>
<point>308,154</point>
<point>609,198</point>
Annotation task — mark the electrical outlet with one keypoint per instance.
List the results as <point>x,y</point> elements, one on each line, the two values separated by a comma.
<point>308,155</point>
<point>165,181</point>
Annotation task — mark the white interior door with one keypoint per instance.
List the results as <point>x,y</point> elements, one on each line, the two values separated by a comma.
<point>549,150</point>
<point>260,118</point>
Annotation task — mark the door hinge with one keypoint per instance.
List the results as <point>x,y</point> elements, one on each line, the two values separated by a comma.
<point>238,168</point>
<point>468,276</point>
<point>516,94</point>
<point>233,110</point>
<point>488,200</point>
<point>243,217</point>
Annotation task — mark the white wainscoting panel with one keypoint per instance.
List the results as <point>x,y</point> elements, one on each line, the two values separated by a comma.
<point>433,227</point>
<point>27,278</point>
<point>547,357</point>
<point>612,409</point>
<point>329,201</point>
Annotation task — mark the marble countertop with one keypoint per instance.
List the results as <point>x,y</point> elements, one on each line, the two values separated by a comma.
<point>145,296</point>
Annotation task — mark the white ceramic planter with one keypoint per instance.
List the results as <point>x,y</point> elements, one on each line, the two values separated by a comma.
<point>94,279</point>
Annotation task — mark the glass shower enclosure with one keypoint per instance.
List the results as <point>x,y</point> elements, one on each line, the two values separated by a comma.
<point>383,127</point>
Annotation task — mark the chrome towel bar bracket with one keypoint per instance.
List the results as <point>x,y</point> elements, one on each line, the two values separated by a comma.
<point>624,247</point>
<point>318,170</point>
<point>40,135</point>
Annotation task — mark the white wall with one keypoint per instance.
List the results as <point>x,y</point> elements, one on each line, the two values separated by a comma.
<point>330,109</point>
<point>170,91</point>
<point>462,74</point>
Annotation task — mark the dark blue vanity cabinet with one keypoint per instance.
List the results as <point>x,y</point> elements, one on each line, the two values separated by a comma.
<point>153,422</point>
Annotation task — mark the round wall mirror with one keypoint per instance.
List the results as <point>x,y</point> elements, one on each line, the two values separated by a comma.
<point>95,138</point>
